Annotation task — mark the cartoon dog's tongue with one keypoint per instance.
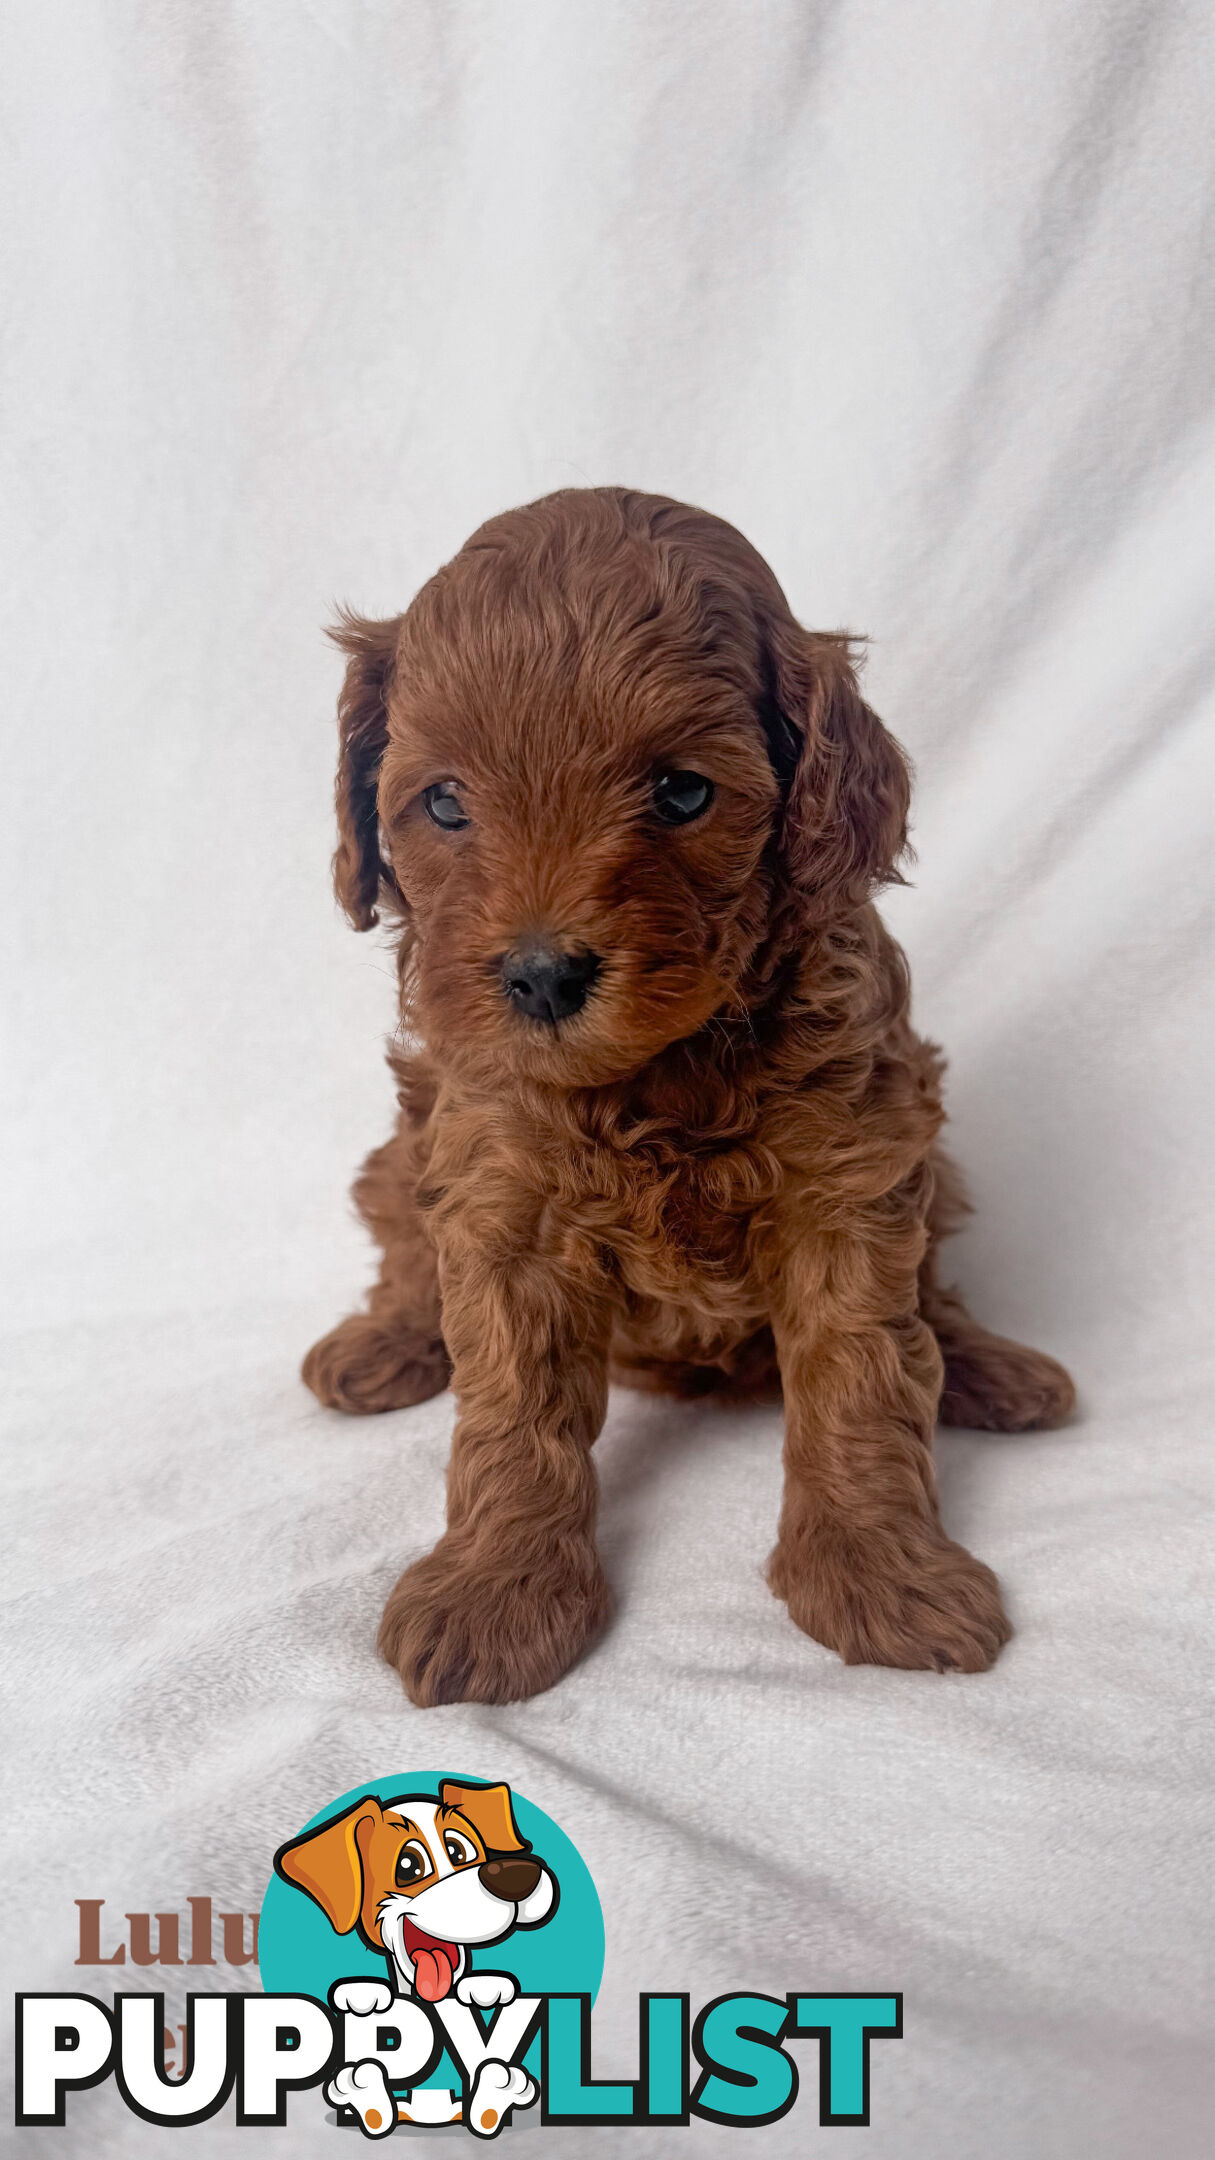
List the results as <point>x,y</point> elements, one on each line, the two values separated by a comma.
<point>434,1963</point>
<point>433,1972</point>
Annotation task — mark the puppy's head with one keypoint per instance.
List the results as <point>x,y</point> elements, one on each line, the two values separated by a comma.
<point>592,768</point>
<point>422,1878</point>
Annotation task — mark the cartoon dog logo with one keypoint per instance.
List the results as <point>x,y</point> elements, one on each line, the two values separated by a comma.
<point>423,1881</point>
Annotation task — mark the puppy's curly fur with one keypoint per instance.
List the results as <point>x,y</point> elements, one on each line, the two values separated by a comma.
<point>723,1169</point>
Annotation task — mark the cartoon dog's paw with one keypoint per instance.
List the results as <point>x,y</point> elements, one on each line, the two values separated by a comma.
<point>485,1989</point>
<point>498,2088</point>
<point>362,1998</point>
<point>364,2087</point>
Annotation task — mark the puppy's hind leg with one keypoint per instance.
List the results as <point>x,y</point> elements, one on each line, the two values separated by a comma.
<point>991,1384</point>
<point>393,1354</point>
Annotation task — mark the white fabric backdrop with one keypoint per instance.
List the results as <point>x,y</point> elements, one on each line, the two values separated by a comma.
<point>921,297</point>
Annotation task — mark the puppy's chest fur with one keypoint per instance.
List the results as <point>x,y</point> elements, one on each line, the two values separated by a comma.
<point>677,1225</point>
<point>667,1217</point>
<point>673,1222</point>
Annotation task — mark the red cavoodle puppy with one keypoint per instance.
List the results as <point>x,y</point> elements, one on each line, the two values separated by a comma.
<point>666,1119</point>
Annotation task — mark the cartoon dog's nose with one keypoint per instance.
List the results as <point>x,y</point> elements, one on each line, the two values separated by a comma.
<point>548,984</point>
<point>511,1880</point>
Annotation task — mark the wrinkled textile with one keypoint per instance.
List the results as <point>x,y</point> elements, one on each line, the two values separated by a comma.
<point>922,299</point>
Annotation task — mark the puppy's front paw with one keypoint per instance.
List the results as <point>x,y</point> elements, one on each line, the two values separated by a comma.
<point>459,1627</point>
<point>362,1367</point>
<point>902,1595</point>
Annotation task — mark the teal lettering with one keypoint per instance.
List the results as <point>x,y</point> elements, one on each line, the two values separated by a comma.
<point>570,2093</point>
<point>844,2025</point>
<point>664,2057</point>
<point>748,2078</point>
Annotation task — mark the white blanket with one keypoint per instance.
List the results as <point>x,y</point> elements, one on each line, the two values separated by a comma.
<point>921,297</point>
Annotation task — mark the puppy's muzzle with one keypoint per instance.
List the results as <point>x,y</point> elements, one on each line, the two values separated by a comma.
<point>547,984</point>
<point>511,1880</point>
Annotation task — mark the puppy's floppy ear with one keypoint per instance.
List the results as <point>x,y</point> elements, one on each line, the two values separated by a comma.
<point>327,1863</point>
<point>488,1809</point>
<point>359,870</point>
<point>845,824</point>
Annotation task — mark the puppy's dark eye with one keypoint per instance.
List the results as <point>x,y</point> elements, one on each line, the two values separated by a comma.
<point>681,796</point>
<point>443,806</point>
<point>412,1864</point>
<point>458,1849</point>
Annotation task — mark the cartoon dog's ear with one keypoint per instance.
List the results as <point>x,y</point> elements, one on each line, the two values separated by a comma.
<point>328,1863</point>
<point>359,870</point>
<point>845,820</point>
<point>488,1809</point>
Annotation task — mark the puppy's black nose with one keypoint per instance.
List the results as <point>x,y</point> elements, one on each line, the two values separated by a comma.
<point>511,1880</point>
<point>546,984</point>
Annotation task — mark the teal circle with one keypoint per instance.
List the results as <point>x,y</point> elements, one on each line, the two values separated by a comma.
<point>299,1953</point>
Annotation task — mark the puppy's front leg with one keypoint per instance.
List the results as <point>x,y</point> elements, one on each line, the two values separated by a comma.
<point>514,1591</point>
<point>861,1558</point>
